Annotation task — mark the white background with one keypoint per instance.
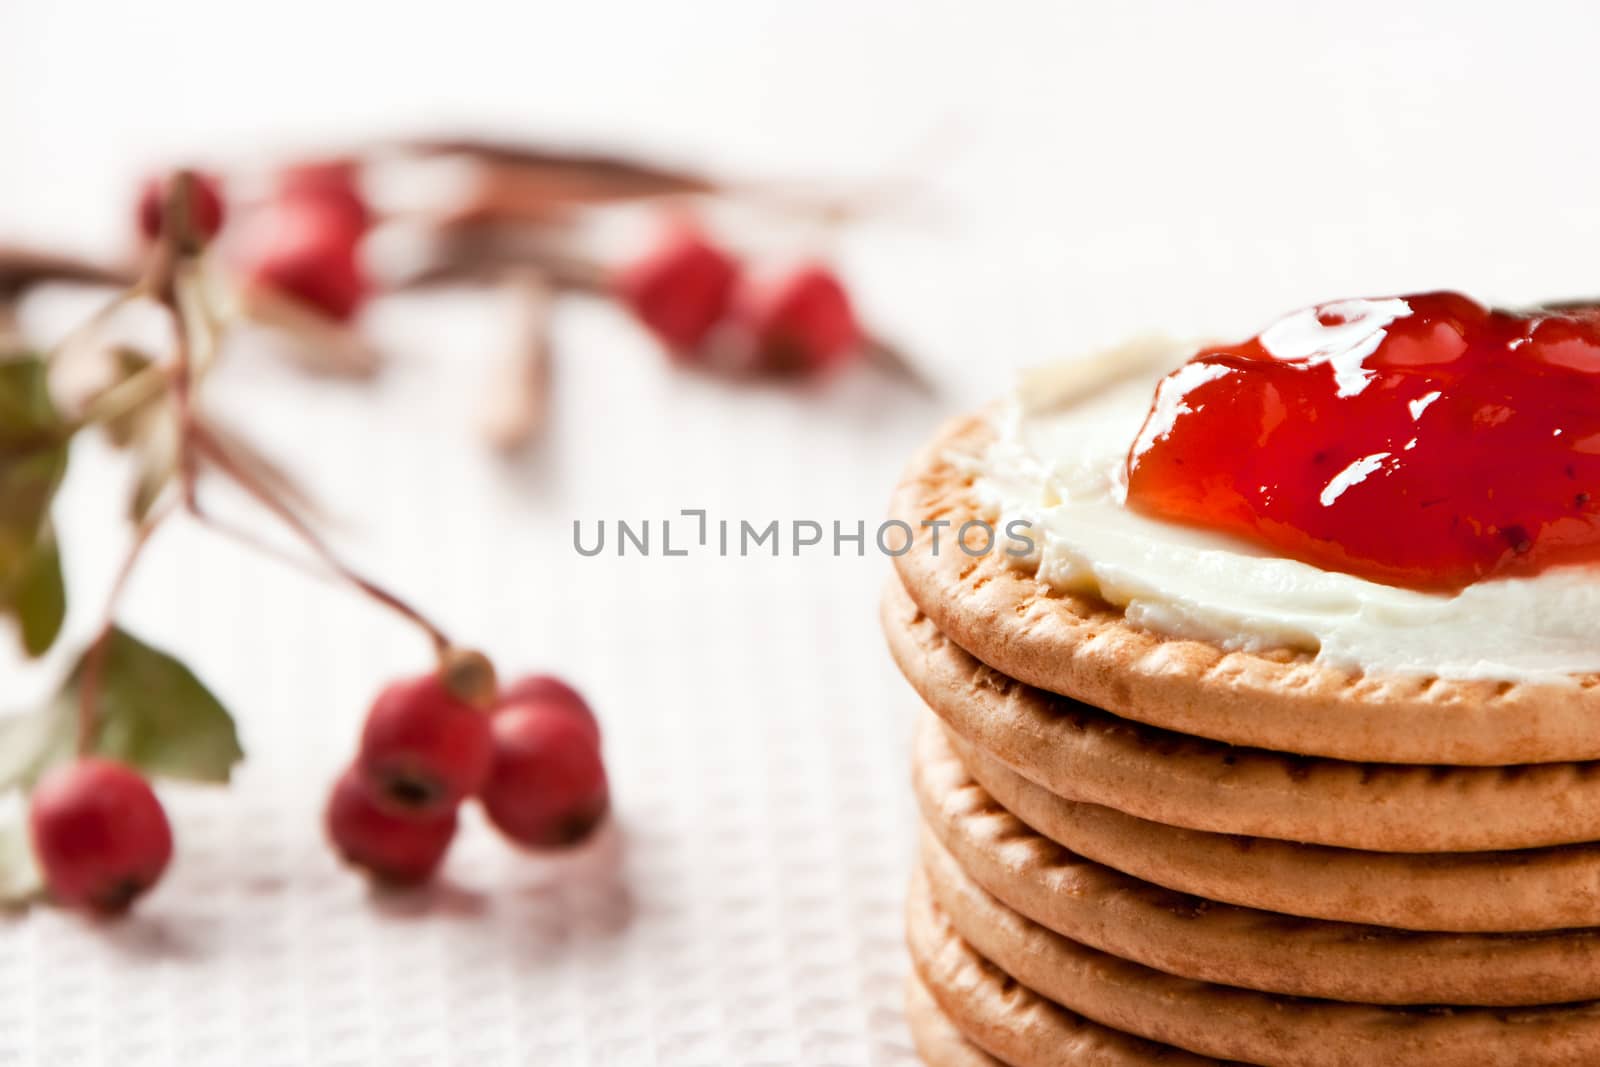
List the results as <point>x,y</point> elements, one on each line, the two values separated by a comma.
<point>1089,170</point>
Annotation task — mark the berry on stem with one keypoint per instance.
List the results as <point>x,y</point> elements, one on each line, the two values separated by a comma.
<point>334,185</point>
<point>209,209</point>
<point>548,786</point>
<point>397,849</point>
<point>306,249</point>
<point>802,323</point>
<point>424,748</point>
<point>470,675</point>
<point>548,689</point>
<point>679,290</point>
<point>100,834</point>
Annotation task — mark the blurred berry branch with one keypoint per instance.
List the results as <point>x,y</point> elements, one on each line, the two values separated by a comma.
<point>305,258</point>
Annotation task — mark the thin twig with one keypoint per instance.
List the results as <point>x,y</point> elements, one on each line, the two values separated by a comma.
<point>894,359</point>
<point>10,329</point>
<point>261,546</point>
<point>177,253</point>
<point>179,245</point>
<point>21,268</point>
<point>570,174</point>
<point>94,658</point>
<point>205,444</point>
<point>205,327</point>
<point>537,183</point>
<point>179,242</point>
<point>267,473</point>
<point>172,280</point>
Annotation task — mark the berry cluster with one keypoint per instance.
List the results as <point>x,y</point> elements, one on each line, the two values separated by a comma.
<point>302,243</point>
<point>530,752</point>
<point>695,297</point>
<point>331,233</point>
<point>294,257</point>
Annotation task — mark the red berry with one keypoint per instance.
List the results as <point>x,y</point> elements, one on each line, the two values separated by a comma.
<point>209,210</point>
<point>100,834</point>
<point>548,787</point>
<point>680,290</point>
<point>399,849</point>
<point>548,689</point>
<point>335,185</point>
<point>424,749</point>
<point>801,324</point>
<point>307,250</point>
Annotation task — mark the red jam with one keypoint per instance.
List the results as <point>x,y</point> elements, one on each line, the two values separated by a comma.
<point>1422,441</point>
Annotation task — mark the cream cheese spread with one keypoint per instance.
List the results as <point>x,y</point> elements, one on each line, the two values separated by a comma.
<point>1057,463</point>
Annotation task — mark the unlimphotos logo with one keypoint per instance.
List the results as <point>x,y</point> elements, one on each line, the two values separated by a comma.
<point>776,537</point>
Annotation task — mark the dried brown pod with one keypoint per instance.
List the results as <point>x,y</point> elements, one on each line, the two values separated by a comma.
<point>508,197</point>
<point>571,175</point>
<point>517,404</point>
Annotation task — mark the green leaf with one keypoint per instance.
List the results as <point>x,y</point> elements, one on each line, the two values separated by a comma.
<point>156,715</point>
<point>39,596</point>
<point>29,476</point>
<point>153,714</point>
<point>25,404</point>
<point>33,459</point>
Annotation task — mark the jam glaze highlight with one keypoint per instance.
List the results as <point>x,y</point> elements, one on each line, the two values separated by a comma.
<point>1422,441</point>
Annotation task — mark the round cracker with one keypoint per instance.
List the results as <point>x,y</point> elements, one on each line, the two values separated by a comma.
<point>1085,754</point>
<point>936,1038</point>
<point>972,841</point>
<point>1286,701</point>
<point>1008,1020</point>
<point>1239,1024</point>
<point>1456,892</point>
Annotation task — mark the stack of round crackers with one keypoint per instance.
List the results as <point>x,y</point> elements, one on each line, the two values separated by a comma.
<point>1139,849</point>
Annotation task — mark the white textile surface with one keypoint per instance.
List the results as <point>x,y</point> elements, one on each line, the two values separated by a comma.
<point>1091,170</point>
